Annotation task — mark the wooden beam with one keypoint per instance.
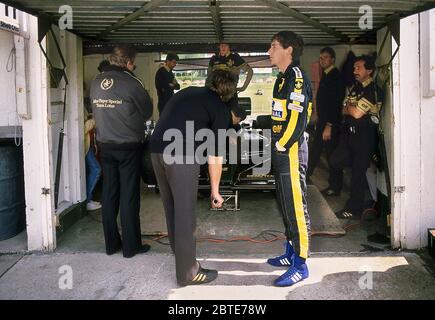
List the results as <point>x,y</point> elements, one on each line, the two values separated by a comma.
<point>215,14</point>
<point>133,16</point>
<point>304,18</point>
<point>37,148</point>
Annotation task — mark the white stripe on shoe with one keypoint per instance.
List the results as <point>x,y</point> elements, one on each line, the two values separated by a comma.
<point>296,277</point>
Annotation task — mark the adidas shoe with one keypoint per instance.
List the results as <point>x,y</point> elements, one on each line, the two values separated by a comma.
<point>292,276</point>
<point>284,260</point>
<point>203,276</point>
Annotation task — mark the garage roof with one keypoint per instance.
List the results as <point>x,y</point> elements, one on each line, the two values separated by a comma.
<point>198,22</point>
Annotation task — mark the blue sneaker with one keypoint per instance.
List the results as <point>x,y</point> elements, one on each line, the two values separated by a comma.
<point>292,275</point>
<point>285,260</point>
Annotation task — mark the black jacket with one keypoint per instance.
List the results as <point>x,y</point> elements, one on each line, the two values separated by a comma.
<point>329,99</point>
<point>193,108</point>
<point>120,106</point>
<point>163,79</point>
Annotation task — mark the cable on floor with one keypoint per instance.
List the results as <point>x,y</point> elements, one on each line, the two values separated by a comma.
<point>264,237</point>
<point>364,215</point>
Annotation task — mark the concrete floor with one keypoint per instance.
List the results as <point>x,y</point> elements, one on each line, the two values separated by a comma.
<point>346,267</point>
<point>241,277</point>
<point>17,244</point>
<point>258,214</point>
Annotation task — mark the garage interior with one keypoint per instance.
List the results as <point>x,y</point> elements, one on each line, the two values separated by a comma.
<point>156,27</point>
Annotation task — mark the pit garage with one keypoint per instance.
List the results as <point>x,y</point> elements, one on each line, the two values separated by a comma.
<point>56,47</point>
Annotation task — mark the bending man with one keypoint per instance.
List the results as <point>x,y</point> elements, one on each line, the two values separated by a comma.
<point>189,111</point>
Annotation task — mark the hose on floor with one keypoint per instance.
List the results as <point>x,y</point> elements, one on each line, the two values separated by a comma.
<point>264,237</point>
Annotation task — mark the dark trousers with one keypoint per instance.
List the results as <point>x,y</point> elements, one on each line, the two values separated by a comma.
<point>289,169</point>
<point>357,145</point>
<point>178,185</point>
<point>121,191</point>
<point>335,179</point>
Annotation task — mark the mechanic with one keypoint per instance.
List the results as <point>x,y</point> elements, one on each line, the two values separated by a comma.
<point>165,81</point>
<point>225,59</point>
<point>359,136</point>
<point>177,167</point>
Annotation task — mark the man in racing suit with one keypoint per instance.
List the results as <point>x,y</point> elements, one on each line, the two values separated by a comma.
<point>291,109</point>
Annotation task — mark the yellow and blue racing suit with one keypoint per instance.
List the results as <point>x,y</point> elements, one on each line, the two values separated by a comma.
<point>291,110</point>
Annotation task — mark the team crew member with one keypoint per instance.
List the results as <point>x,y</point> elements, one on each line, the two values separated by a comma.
<point>177,169</point>
<point>230,61</point>
<point>237,115</point>
<point>329,100</point>
<point>120,107</point>
<point>359,137</point>
<point>165,81</point>
<point>291,109</point>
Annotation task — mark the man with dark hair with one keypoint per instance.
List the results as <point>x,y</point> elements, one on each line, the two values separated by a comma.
<point>225,59</point>
<point>359,136</point>
<point>329,103</point>
<point>165,81</point>
<point>329,51</point>
<point>238,114</point>
<point>120,106</point>
<point>178,179</point>
<point>103,64</point>
<point>291,109</point>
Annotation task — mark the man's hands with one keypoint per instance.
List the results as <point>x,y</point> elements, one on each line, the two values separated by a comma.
<point>215,172</point>
<point>174,84</point>
<point>345,110</point>
<point>326,135</point>
<point>216,200</point>
<point>279,147</point>
<point>352,110</point>
<point>233,140</point>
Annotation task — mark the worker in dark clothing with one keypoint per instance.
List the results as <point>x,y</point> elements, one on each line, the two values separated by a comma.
<point>165,81</point>
<point>238,114</point>
<point>329,102</point>
<point>192,111</point>
<point>291,109</point>
<point>359,134</point>
<point>230,61</point>
<point>120,106</point>
<point>103,64</point>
